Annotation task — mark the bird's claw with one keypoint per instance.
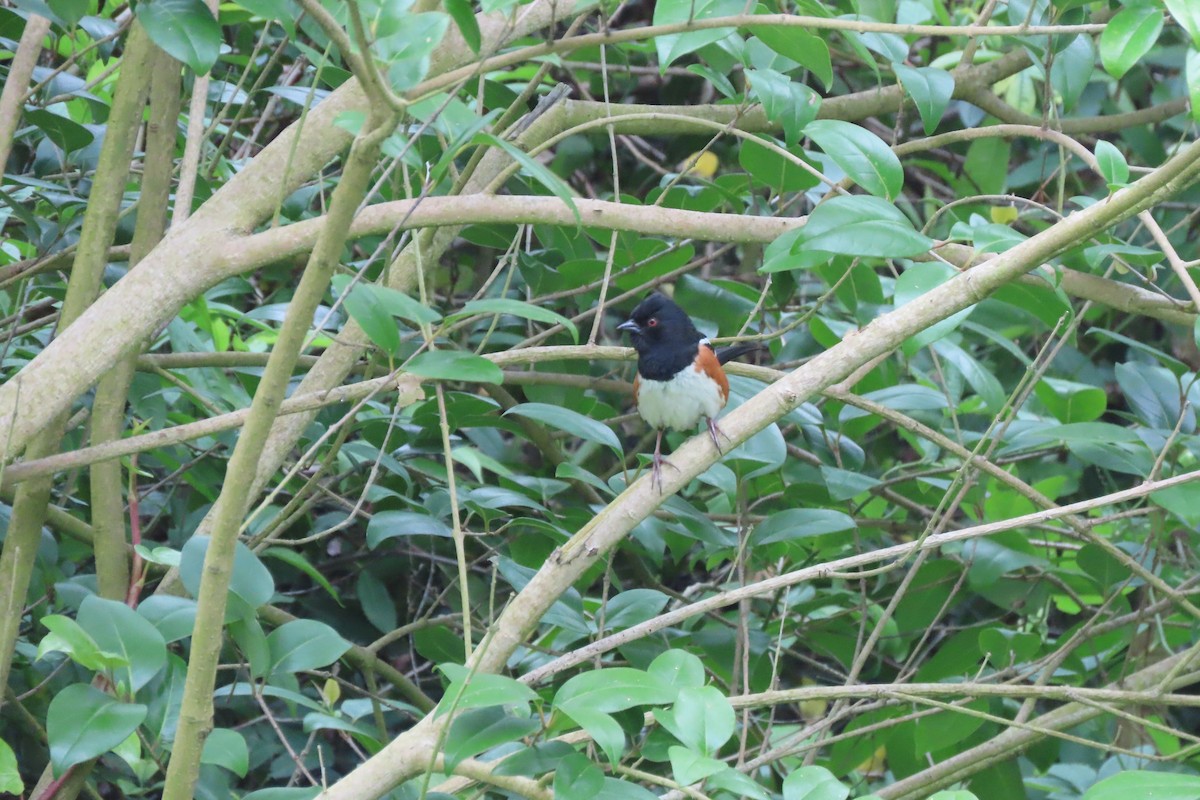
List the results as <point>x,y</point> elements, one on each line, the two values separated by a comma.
<point>714,430</point>
<point>656,471</point>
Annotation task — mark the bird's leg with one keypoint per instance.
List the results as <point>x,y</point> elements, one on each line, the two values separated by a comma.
<point>656,469</point>
<point>714,430</point>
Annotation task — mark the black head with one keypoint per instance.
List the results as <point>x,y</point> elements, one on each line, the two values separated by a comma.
<point>663,336</point>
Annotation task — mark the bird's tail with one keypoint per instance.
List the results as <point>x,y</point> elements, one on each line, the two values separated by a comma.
<point>727,354</point>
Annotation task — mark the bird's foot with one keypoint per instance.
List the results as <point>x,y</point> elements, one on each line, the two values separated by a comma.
<point>714,430</point>
<point>656,471</point>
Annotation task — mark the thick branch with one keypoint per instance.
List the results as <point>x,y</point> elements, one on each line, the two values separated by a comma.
<point>606,530</point>
<point>190,259</point>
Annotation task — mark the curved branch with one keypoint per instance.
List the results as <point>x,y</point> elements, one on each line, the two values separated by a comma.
<point>1151,115</point>
<point>278,244</point>
<point>408,391</point>
<point>1014,741</point>
<point>840,566</point>
<point>183,265</point>
<point>523,614</point>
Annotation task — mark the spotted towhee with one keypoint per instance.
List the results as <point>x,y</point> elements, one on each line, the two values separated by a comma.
<point>679,375</point>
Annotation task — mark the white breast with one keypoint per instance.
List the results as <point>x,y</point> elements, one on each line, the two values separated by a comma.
<point>681,402</point>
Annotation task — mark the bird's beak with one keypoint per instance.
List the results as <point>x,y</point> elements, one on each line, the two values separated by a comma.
<point>630,325</point>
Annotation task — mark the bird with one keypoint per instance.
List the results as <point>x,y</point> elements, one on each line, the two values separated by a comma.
<point>680,379</point>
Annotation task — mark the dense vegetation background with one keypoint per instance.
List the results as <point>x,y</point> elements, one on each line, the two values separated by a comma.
<point>954,549</point>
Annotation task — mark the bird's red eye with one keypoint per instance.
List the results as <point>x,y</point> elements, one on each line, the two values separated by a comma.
<point>652,322</point>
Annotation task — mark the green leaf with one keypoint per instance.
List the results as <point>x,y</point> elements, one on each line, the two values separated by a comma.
<point>1176,366</point>
<point>762,454</point>
<point>677,668</point>
<point>674,46</point>
<point>930,89</point>
<point>10,776</point>
<point>736,785</point>
<point>1006,646</point>
<point>985,384</point>
<point>304,644</point>
<point>1187,14</point>
<point>1154,395</point>
<point>784,101</point>
<point>282,793</point>
<point>1072,70</point>
<point>481,690</point>
<point>854,225</point>
<point>1192,72</point>
<point>1113,167</point>
<point>806,49</point>
<point>785,254</point>
<point>611,690</point>
<point>1075,433</point>
<point>844,484</point>
<point>877,238</point>
<point>327,722</point>
<point>801,523</point>
<point>539,759</point>
<point>454,365</point>
<point>1180,501</point>
<point>66,636</point>
<point>1128,37</point>
<point>166,556</point>
<point>296,559</point>
<point>278,10</point>
<point>862,155</point>
<point>482,729</point>
<point>117,628</point>
<point>186,29</point>
<point>986,168</point>
<point>227,748</point>
<point>366,309</point>
<point>1101,567</point>
<point>377,604</point>
<point>604,730</point>
<point>249,691</point>
<point>173,617</point>
<point>902,397</point>
<point>956,794</point>
<point>719,81</point>
<point>390,524</point>
<point>539,172</point>
<point>577,778</point>
<point>813,783</point>
<point>70,12</point>
<point>371,305</point>
<point>517,308</point>
<point>65,132</point>
<point>633,606</point>
<point>1098,256</point>
<point>918,280</point>
<point>491,6</point>
<point>1144,784</point>
<point>701,718</point>
<point>397,303</point>
<point>248,634</point>
<point>564,419</point>
<point>1071,402</point>
<point>691,767</point>
<point>251,583</point>
<point>404,42</point>
<point>768,166</point>
<point>468,26</point>
<point>947,728</point>
<point>83,723</point>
